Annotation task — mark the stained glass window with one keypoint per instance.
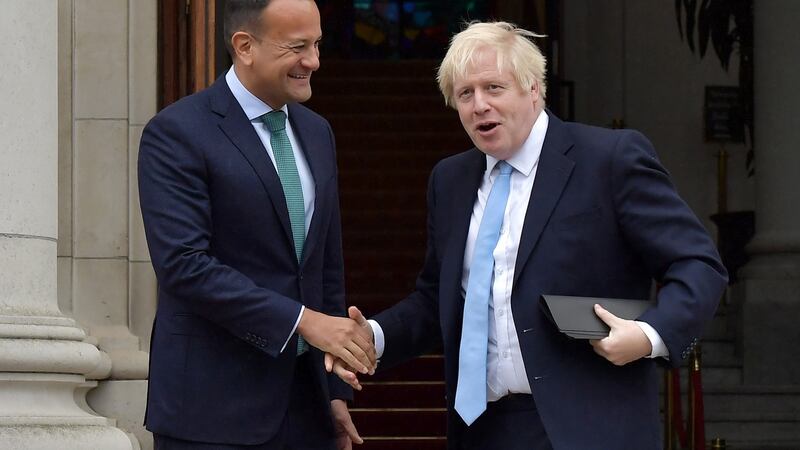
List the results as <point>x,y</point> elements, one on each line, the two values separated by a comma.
<point>379,29</point>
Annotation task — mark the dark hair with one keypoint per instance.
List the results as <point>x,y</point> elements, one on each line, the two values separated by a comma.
<point>241,15</point>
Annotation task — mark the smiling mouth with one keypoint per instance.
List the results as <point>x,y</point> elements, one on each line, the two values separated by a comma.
<point>487,126</point>
<point>298,77</point>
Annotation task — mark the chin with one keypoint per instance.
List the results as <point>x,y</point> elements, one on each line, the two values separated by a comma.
<point>300,98</point>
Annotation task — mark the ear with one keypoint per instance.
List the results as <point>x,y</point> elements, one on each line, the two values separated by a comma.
<point>242,44</point>
<point>535,91</point>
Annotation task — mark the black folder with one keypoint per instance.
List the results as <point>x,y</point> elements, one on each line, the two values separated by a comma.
<point>575,317</point>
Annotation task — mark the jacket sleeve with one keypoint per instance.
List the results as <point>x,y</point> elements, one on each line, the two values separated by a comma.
<point>673,243</point>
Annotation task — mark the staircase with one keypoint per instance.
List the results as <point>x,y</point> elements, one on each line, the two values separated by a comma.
<point>391,127</point>
<point>748,417</point>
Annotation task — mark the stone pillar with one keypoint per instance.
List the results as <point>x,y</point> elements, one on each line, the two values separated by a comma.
<point>44,358</point>
<point>109,282</point>
<point>772,278</point>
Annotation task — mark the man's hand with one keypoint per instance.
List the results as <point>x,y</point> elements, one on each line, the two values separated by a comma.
<point>346,432</point>
<point>342,370</point>
<point>625,343</point>
<point>344,338</point>
<point>340,367</point>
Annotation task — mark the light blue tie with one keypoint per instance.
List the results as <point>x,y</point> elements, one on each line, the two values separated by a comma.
<point>471,388</point>
<point>292,189</point>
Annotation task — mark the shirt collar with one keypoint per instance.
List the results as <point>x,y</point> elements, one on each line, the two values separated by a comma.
<point>527,157</point>
<point>253,106</point>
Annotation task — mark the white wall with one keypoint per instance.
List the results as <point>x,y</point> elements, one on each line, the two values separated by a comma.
<point>627,61</point>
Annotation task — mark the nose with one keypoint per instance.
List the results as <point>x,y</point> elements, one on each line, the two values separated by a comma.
<point>481,105</point>
<point>311,59</point>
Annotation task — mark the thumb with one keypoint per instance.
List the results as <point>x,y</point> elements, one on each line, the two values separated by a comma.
<point>604,315</point>
<point>350,427</point>
<point>356,315</point>
<point>328,362</point>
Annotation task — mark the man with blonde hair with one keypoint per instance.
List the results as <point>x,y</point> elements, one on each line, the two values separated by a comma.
<point>541,206</point>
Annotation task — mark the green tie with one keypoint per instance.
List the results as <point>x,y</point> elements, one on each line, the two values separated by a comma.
<point>290,179</point>
<point>292,189</point>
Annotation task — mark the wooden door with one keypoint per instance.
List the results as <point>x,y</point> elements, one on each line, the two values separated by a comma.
<point>189,42</point>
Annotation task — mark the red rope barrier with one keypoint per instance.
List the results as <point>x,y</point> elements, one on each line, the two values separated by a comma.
<point>699,434</point>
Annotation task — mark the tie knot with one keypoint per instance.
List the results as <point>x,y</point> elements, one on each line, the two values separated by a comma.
<point>504,167</point>
<point>274,120</point>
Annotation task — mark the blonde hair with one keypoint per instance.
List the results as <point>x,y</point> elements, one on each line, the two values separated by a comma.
<point>515,51</point>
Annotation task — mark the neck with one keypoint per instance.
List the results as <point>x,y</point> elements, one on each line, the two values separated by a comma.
<point>249,81</point>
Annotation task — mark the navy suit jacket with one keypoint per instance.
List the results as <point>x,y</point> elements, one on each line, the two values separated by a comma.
<point>603,220</point>
<point>230,286</point>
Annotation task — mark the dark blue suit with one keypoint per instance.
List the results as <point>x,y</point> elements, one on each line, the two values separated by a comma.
<point>230,286</point>
<point>603,220</point>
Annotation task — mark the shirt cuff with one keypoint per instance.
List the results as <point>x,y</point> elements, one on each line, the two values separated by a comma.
<point>659,347</point>
<point>296,323</point>
<point>377,335</point>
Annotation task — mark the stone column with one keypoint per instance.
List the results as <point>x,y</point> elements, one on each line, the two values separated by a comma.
<point>44,358</point>
<point>772,278</point>
<point>110,288</point>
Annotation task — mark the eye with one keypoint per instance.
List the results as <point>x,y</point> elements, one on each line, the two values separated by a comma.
<point>464,93</point>
<point>495,87</point>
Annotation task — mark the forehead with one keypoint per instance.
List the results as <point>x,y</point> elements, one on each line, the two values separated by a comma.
<point>292,20</point>
<point>482,67</point>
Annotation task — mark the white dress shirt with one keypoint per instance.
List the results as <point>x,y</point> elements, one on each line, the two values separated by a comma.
<point>505,370</point>
<point>254,108</point>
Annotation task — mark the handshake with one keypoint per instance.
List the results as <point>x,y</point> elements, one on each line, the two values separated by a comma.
<point>348,343</point>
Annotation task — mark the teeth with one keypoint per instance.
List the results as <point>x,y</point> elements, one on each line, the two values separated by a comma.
<point>299,77</point>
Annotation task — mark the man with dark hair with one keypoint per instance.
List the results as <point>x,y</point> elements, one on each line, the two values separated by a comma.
<point>239,196</point>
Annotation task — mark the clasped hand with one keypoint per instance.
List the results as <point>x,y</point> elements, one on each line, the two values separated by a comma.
<point>340,366</point>
<point>340,337</point>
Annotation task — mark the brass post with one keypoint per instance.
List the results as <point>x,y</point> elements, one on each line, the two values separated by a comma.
<point>718,444</point>
<point>694,366</point>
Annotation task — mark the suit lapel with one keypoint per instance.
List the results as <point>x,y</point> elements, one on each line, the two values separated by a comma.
<point>313,143</point>
<point>551,177</point>
<point>238,129</point>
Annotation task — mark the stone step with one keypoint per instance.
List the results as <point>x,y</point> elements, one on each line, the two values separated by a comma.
<point>443,142</point>
<point>415,178</point>
<point>387,122</point>
<point>379,201</point>
<point>371,104</point>
<point>424,368</point>
<point>401,394</point>
<point>718,348</point>
<point>712,376</point>
<point>754,400</point>
<point>761,445</point>
<point>347,68</point>
<point>776,428</point>
<point>403,443</point>
<point>326,86</point>
<point>423,422</point>
<point>371,219</point>
<point>720,328</point>
<point>356,161</point>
